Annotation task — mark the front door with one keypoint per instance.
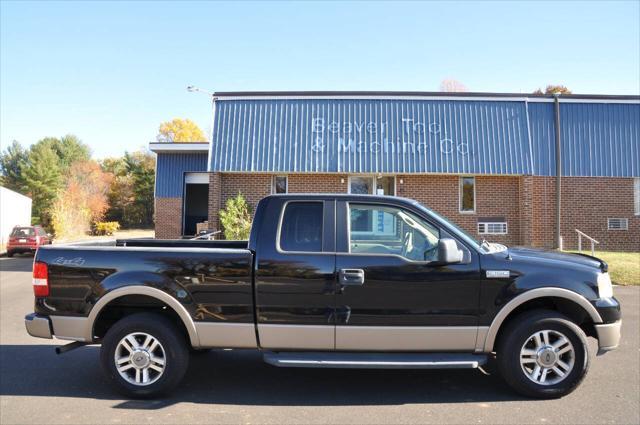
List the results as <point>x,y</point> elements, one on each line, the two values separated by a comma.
<point>391,296</point>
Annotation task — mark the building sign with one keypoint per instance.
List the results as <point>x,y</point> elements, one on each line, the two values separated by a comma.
<point>371,136</point>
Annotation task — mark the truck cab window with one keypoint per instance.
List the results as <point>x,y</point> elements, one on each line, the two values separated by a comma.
<point>301,227</point>
<point>392,231</point>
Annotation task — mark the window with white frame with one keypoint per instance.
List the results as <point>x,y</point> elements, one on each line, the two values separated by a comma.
<point>372,185</point>
<point>636,195</point>
<point>492,228</point>
<point>366,220</point>
<point>617,224</point>
<point>280,184</point>
<point>467,195</point>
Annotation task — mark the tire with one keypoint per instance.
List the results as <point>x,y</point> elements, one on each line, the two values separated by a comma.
<point>519,340</point>
<point>9,254</point>
<point>171,349</point>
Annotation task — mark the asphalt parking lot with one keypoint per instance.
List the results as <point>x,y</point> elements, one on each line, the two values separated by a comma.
<point>38,386</point>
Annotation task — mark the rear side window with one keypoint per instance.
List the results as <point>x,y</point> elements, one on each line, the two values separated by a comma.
<point>302,227</point>
<point>23,231</point>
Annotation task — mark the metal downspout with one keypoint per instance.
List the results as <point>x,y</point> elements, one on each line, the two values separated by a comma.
<point>558,243</point>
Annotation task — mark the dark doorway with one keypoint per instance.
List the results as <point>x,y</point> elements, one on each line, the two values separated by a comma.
<point>196,206</point>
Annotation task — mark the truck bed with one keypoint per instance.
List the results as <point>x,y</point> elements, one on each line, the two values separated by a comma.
<point>181,243</point>
<point>212,279</point>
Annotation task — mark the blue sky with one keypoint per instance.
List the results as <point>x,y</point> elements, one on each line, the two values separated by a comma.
<point>111,72</point>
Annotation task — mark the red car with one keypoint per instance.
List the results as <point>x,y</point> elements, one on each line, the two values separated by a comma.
<point>27,239</point>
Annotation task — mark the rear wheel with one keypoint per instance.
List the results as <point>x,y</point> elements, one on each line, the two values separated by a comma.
<point>543,354</point>
<point>144,355</point>
<point>9,253</point>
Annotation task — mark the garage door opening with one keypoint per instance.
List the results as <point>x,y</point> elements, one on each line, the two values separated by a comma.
<point>196,201</point>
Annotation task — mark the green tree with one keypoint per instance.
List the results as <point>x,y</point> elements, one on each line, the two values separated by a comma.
<point>553,89</point>
<point>180,131</point>
<point>12,161</point>
<point>42,180</point>
<point>142,168</point>
<point>236,218</point>
<point>115,166</point>
<point>68,149</point>
<point>131,191</point>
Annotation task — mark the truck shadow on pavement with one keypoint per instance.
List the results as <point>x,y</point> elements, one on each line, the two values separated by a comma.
<point>18,263</point>
<point>241,378</point>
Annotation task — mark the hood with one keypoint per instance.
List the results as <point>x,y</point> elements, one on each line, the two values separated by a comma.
<point>560,258</point>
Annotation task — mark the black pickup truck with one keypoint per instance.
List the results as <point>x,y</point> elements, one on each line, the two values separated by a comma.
<point>341,281</point>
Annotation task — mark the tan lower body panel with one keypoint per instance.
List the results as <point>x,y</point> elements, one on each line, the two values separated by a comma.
<point>73,328</point>
<point>406,338</point>
<point>226,335</point>
<point>299,337</point>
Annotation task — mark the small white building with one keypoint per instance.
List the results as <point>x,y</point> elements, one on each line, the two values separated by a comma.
<point>15,210</point>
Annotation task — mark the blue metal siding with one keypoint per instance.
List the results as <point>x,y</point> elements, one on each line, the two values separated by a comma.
<point>543,138</point>
<point>170,169</point>
<point>600,139</point>
<point>371,136</point>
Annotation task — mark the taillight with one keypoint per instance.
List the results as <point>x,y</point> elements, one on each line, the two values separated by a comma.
<point>40,279</point>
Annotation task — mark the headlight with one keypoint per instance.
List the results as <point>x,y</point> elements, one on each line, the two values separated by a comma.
<point>605,289</point>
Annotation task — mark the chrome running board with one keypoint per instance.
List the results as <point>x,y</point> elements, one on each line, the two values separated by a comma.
<point>375,360</point>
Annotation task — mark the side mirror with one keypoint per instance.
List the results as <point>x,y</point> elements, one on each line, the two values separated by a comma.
<point>448,252</point>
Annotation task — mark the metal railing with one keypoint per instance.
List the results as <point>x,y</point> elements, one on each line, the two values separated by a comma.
<point>593,242</point>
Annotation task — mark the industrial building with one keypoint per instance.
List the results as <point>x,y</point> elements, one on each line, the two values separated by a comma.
<point>510,168</point>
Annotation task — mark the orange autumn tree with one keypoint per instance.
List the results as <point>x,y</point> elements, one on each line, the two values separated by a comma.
<point>82,201</point>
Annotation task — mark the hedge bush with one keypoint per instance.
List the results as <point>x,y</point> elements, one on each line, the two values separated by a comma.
<point>107,228</point>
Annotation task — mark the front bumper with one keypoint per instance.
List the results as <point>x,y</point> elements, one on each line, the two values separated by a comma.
<point>38,326</point>
<point>608,336</point>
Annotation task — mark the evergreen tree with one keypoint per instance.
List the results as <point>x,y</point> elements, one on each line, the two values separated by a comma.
<point>12,160</point>
<point>42,180</point>
<point>68,149</point>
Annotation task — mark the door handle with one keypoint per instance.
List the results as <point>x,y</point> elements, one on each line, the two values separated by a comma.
<point>351,277</point>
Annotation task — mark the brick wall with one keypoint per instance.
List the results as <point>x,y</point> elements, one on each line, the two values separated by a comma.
<point>168,218</point>
<point>542,213</point>
<point>587,202</point>
<point>495,197</point>
<point>527,203</point>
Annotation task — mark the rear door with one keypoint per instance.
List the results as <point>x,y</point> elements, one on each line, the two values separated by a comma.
<point>295,280</point>
<point>391,296</point>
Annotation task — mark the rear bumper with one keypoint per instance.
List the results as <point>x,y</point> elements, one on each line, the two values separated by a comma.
<point>608,336</point>
<point>62,327</point>
<point>22,248</point>
<point>38,326</point>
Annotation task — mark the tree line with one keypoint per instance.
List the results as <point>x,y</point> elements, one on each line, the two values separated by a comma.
<point>71,192</point>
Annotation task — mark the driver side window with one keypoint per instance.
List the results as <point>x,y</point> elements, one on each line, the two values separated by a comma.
<point>382,229</point>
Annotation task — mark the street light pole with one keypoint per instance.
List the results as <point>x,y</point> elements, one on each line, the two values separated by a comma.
<point>194,89</point>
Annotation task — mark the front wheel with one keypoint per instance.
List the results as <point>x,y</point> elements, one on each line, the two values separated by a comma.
<point>543,354</point>
<point>144,355</point>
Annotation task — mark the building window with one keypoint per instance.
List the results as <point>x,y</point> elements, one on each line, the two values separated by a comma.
<point>280,184</point>
<point>467,195</point>
<point>617,224</point>
<point>636,195</point>
<point>371,185</point>
<point>492,228</point>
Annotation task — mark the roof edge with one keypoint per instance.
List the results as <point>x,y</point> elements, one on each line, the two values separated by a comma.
<point>165,147</point>
<point>355,94</point>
